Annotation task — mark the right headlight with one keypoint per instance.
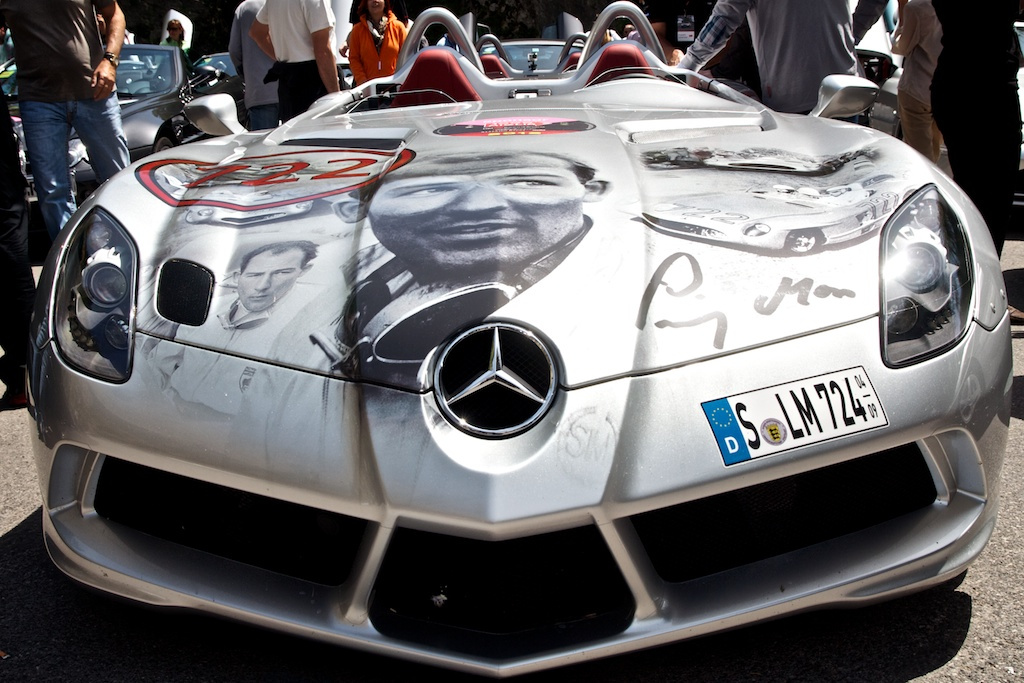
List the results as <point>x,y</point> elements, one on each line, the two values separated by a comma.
<point>927,281</point>
<point>94,302</point>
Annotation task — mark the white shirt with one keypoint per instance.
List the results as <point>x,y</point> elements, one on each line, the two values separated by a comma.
<point>291,24</point>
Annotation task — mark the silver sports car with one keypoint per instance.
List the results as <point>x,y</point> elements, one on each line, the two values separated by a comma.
<point>505,374</point>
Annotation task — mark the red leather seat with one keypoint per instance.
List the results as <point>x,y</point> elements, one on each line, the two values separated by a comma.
<point>619,58</point>
<point>493,66</point>
<point>435,78</point>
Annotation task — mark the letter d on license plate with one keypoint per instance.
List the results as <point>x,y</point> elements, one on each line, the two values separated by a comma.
<point>787,416</point>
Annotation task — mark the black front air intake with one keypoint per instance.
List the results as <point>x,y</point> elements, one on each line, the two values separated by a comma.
<point>290,539</point>
<point>500,599</point>
<point>732,529</point>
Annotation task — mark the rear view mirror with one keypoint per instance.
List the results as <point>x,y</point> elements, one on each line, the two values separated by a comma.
<point>214,114</point>
<point>842,96</point>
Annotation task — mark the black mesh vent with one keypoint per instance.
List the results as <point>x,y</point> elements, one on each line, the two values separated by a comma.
<point>184,292</point>
<point>290,539</point>
<point>500,599</point>
<point>733,529</point>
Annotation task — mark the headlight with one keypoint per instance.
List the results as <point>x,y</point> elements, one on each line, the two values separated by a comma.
<point>926,279</point>
<point>757,230</point>
<point>94,304</point>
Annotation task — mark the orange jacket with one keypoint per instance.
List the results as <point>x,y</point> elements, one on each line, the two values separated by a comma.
<point>363,59</point>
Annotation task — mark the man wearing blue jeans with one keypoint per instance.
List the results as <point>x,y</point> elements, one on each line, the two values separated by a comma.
<point>66,77</point>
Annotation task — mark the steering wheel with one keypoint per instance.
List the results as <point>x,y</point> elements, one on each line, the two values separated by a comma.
<point>451,24</point>
<point>603,23</point>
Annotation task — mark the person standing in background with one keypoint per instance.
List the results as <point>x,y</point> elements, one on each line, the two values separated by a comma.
<point>918,38</point>
<point>299,36</point>
<point>398,8</point>
<point>66,78</point>
<point>677,24</point>
<point>176,36</point>
<point>976,106</point>
<point>17,286</point>
<point>797,43</point>
<point>375,41</point>
<point>252,64</point>
<point>6,44</point>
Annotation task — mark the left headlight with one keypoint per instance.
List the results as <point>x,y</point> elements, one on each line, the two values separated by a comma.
<point>94,303</point>
<point>926,279</point>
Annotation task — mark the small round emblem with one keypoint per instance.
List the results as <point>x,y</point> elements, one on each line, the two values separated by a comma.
<point>495,380</point>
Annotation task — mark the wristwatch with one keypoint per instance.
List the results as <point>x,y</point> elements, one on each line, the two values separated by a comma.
<point>112,58</point>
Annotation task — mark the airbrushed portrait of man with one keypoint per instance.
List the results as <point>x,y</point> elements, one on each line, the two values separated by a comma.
<point>460,236</point>
<point>212,384</point>
<point>266,274</point>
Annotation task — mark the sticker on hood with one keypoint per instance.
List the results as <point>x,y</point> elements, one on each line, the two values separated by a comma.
<point>259,183</point>
<point>515,125</point>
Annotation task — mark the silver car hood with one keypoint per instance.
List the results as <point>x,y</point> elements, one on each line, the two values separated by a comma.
<point>702,228</point>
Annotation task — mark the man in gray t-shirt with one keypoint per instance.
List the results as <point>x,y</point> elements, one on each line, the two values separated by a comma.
<point>796,42</point>
<point>253,64</point>
<point>66,79</point>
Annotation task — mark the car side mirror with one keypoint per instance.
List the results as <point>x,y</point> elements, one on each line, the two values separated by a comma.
<point>214,114</point>
<point>209,72</point>
<point>842,96</point>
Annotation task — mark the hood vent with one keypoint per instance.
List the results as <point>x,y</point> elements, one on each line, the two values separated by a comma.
<point>184,292</point>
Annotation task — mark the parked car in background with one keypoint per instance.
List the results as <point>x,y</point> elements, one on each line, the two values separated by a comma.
<point>9,83</point>
<point>154,82</point>
<point>218,60</point>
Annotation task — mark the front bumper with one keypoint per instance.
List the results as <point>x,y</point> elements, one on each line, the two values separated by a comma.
<point>611,526</point>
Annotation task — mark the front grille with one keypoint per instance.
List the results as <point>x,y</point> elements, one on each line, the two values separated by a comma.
<point>286,538</point>
<point>500,598</point>
<point>732,529</point>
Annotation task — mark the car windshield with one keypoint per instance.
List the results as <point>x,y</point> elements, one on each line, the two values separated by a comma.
<point>532,57</point>
<point>145,71</point>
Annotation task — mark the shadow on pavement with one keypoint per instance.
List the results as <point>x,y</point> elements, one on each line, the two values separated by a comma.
<point>1015,286</point>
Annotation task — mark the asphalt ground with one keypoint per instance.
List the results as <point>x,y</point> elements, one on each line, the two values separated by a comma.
<point>53,630</point>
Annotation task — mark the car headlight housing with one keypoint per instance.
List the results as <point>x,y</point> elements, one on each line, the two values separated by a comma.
<point>94,304</point>
<point>927,282</point>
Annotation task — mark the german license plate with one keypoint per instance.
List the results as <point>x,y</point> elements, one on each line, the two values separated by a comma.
<point>786,416</point>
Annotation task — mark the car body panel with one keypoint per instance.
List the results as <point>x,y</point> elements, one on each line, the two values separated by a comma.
<point>844,280</point>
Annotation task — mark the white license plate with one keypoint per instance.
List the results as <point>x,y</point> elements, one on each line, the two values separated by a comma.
<point>787,416</point>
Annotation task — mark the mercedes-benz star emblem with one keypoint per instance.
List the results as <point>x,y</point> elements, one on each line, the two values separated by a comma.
<point>495,380</point>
